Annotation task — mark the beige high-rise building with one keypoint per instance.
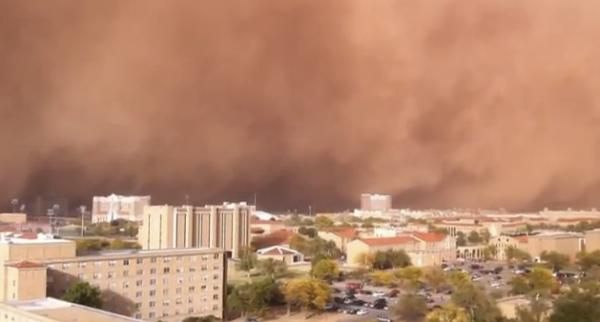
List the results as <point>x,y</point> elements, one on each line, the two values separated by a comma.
<point>375,202</point>
<point>167,284</point>
<point>109,208</point>
<point>225,226</point>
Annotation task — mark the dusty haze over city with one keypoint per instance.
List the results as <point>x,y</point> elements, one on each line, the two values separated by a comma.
<point>461,104</point>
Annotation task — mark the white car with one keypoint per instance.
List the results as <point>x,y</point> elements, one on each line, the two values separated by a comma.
<point>496,284</point>
<point>361,312</point>
<point>378,294</point>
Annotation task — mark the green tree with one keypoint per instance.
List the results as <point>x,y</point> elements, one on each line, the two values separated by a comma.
<point>307,231</point>
<point>382,278</point>
<point>254,297</point>
<point>461,240</point>
<point>85,294</point>
<point>390,259</point>
<point>516,254</point>
<point>409,276</point>
<point>410,307</point>
<point>208,318</point>
<point>448,313</point>
<point>478,305</point>
<point>294,220</point>
<point>271,267</point>
<point>474,237</point>
<point>247,260</point>
<point>588,260</point>
<point>306,293</point>
<point>519,285</point>
<point>576,306</point>
<point>541,280</point>
<point>555,260</point>
<point>323,222</point>
<point>536,311</point>
<point>490,252</point>
<point>435,277</point>
<point>325,269</point>
<point>458,279</point>
<point>485,236</point>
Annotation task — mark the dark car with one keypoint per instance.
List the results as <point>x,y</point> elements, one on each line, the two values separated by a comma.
<point>331,307</point>
<point>358,302</point>
<point>366,292</point>
<point>351,311</point>
<point>338,300</point>
<point>380,304</point>
<point>475,266</point>
<point>498,269</point>
<point>251,320</point>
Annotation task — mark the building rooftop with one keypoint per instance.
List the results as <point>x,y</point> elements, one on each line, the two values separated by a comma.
<point>388,241</point>
<point>10,238</point>
<point>134,253</point>
<point>25,264</point>
<point>53,310</point>
<point>429,237</point>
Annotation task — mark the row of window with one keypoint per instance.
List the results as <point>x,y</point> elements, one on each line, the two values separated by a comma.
<point>178,301</point>
<point>112,263</point>
<point>152,315</point>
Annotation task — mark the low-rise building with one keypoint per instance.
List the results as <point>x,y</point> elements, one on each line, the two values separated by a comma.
<point>502,243</point>
<point>54,310</point>
<point>340,236</point>
<point>13,218</point>
<point>561,242</point>
<point>113,207</point>
<point>424,249</point>
<point>282,254</point>
<point>592,240</point>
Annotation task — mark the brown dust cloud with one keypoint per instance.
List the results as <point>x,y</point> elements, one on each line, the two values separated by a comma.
<point>450,103</point>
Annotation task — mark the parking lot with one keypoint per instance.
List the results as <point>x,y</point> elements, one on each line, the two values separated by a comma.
<point>494,276</point>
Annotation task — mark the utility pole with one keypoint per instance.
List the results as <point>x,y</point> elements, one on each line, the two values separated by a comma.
<point>309,210</point>
<point>255,206</point>
<point>82,209</point>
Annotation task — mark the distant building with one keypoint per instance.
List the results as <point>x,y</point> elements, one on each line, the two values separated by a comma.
<point>424,249</point>
<point>561,242</point>
<point>13,218</point>
<point>504,242</point>
<point>107,209</point>
<point>592,240</point>
<point>375,202</point>
<point>224,226</point>
<point>341,236</point>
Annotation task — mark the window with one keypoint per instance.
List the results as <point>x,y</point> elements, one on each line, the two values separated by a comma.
<point>192,289</point>
<point>178,290</point>
<point>217,266</point>
<point>125,273</point>
<point>192,269</point>
<point>153,260</point>
<point>98,263</point>
<point>166,259</point>
<point>138,283</point>
<point>166,270</point>
<point>139,272</point>
<point>215,287</point>
<point>97,276</point>
<point>165,281</point>
<point>179,270</point>
<point>151,315</point>
<point>139,261</point>
<point>190,300</point>
<point>180,280</point>
<point>191,310</point>
<point>138,305</point>
<point>138,316</point>
<point>112,263</point>
<point>151,304</point>
<point>126,284</point>
<point>66,265</point>
<point>126,262</point>
<point>111,274</point>
<point>153,281</point>
<point>203,287</point>
<point>216,256</point>
<point>165,291</point>
<point>215,276</point>
<point>138,294</point>
<point>82,265</point>
<point>204,267</point>
<point>178,301</point>
<point>165,314</point>
<point>166,303</point>
<point>204,257</point>
<point>216,297</point>
<point>215,307</point>
<point>153,271</point>
<point>152,293</point>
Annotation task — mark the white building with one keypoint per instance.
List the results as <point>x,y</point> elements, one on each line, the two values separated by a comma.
<point>107,209</point>
<point>375,202</point>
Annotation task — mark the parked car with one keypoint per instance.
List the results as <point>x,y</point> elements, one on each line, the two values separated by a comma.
<point>351,311</point>
<point>383,319</point>
<point>378,293</point>
<point>338,300</point>
<point>354,285</point>
<point>379,304</point>
<point>361,312</point>
<point>330,307</point>
<point>251,320</point>
<point>366,292</point>
<point>498,269</point>
<point>358,302</point>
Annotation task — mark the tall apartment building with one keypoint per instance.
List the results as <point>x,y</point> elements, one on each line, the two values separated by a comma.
<point>225,226</point>
<point>107,209</point>
<point>375,202</point>
<point>167,285</point>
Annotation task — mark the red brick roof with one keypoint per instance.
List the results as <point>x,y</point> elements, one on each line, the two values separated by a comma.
<point>389,241</point>
<point>25,264</point>
<point>345,232</point>
<point>429,237</point>
<point>522,239</point>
